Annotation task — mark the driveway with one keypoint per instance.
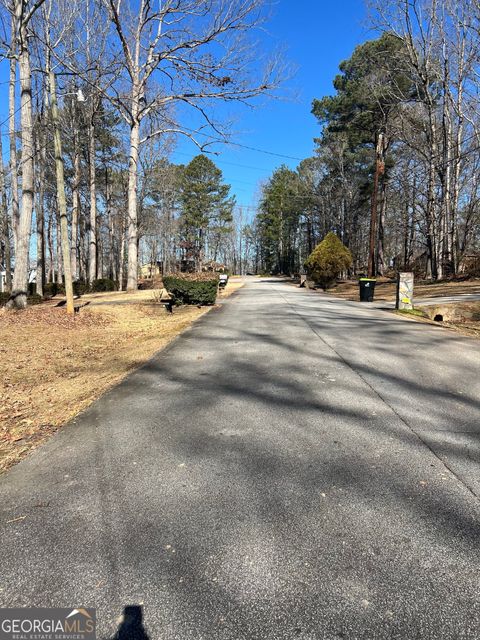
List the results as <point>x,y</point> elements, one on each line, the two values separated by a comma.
<point>293,466</point>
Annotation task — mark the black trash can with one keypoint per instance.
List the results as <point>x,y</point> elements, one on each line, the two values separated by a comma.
<point>367,289</point>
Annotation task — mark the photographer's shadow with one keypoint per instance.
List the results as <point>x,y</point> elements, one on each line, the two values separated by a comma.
<point>131,627</point>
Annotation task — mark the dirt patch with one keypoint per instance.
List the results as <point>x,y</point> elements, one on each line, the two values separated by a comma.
<point>54,366</point>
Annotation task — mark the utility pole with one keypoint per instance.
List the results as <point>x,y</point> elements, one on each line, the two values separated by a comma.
<point>379,170</point>
<point>61,199</point>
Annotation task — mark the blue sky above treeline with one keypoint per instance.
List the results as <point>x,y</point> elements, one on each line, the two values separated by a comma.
<point>315,36</point>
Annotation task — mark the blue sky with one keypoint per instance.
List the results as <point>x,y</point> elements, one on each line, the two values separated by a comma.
<point>317,35</point>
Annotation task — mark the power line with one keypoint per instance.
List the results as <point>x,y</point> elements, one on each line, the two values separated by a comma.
<point>270,153</point>
<point>243,146</point>
<point>220,161</point>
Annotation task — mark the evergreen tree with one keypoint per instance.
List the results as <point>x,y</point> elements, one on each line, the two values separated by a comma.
<point>278,219</point>
<point>206,210</point>
<point>371,88</point>
<point>328,260</point>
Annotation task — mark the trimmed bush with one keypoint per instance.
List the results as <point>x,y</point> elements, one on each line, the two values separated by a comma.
<point>192,288</point>
<point>328,260</point>
<point>102,284</point>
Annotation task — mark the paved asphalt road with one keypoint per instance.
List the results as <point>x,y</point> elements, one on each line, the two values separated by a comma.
<point>294,466</point>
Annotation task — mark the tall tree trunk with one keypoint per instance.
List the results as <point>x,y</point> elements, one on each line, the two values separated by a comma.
<point>59,256</point>
<point>77,178</point>
<point>132,225</point>
<point>61,200</point>
<point>22,252</point>
<point>445,249</point>
<point>406,235</point>
<point>40,213</point>
<point>13,144</point>
<point>379,168</point>
<point>100,254</point>
<point>432,269</point>
<point>111,227</point>
<point>92,253</point>
<point>381,266</point>
<point>51,251</point>
<point>122,254</point>
<point>453,231</point>
<point>5,226</point>
<point>82,248</point>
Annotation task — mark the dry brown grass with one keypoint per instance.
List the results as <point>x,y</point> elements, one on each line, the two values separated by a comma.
<point>385,289</point>
<point>54,366</point>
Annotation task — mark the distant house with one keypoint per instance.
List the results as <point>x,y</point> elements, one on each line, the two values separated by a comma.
<point>32,277</point>
<point>211,265</point>
<point>150,270</point>
<point>3,278</point>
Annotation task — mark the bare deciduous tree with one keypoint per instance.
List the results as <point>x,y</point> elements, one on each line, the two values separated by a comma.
<point>23,12</point>
<point>177,54</point>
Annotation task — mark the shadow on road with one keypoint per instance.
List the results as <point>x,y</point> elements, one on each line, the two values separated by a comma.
<point>256,483</point>
<point>131,627</point>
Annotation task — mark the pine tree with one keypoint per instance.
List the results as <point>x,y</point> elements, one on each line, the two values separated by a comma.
<point>206,209</point>
<point>279,215</point>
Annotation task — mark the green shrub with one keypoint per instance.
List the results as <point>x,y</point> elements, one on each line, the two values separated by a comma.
<point>51,289</point>
<point>192,288</point>
<point>102,284</point>
<point>80,287</point>
<point>328,260</point>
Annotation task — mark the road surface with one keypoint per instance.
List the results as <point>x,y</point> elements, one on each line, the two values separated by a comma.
<point>294,466</point>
